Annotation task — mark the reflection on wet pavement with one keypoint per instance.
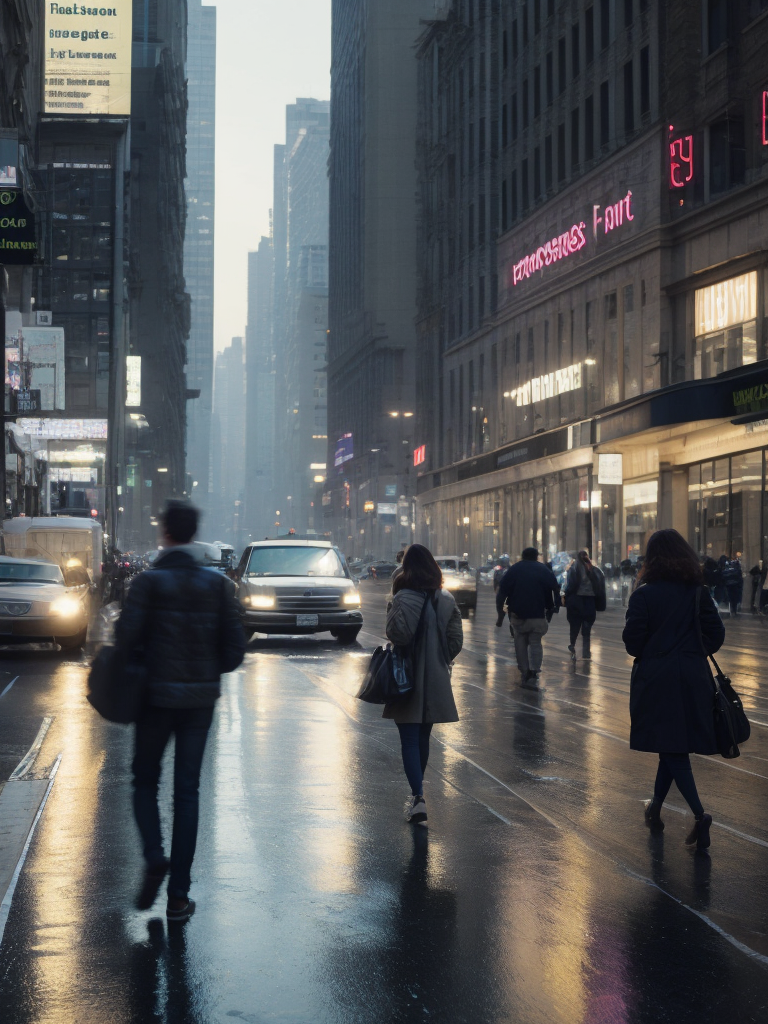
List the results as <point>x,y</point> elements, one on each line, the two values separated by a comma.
<point>535,895</point>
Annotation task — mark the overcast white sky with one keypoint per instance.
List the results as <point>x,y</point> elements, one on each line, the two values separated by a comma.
<point>268,53</point>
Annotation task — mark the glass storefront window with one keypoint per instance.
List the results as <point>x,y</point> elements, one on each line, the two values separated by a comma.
<point>725,350</point>
<point>640,515</point>
<point>746,496</point>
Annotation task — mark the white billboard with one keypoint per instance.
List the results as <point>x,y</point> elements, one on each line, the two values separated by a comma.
<point>133,381</point>
<point>88,58</point>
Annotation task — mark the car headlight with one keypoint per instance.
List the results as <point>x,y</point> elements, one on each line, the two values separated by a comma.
<point>351,597</point>
<point>452,583</point>
<point>65,606</point>
<point>260,601</point>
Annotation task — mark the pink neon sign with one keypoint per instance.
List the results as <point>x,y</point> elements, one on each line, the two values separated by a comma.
<point>680,161</point>
<point>556,249</point>
<point>765,118</point>
<point>613,216</point>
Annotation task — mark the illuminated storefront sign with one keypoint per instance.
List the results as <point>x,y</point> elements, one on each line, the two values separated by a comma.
<point>419,455</point>
<point>574,239</point>
<point>548,385</point>
<point>680,160</point>
<point>726,303</point>
<point>133,381</point>
<point>88,58</point>
<point>613,216</point>
<point>556,249</point>
<point>65,430</point>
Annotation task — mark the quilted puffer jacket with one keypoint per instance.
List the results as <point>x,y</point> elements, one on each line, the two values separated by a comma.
<point>184,620</point>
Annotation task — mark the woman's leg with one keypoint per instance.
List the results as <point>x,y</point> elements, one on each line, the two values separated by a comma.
<point>409,741</point>
<point>678,767</point>
<point>424,730</point>
<point>574,624</point>
<point>664,780</point>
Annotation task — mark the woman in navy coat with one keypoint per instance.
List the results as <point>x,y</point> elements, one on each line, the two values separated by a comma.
<point>671,694</point>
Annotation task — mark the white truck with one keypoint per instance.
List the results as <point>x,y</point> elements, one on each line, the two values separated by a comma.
<point>74,544</point>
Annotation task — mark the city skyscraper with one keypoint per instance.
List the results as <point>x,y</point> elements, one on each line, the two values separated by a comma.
<point>228,447</point>
<point>373,271</point>
<point>260,456</point>
<point>199,240</point>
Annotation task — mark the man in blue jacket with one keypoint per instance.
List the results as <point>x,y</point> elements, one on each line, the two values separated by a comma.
<point>532,595</point>
<point>184,620</point>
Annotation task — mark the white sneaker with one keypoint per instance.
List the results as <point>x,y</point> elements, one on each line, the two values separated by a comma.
<point>416,810</point>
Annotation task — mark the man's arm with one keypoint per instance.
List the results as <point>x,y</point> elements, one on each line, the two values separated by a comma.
<point>129,629</point>
<point>556,598</point>
<point>232,640</point>
<point>506,586</point>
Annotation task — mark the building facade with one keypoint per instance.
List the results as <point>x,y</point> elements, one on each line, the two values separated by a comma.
<point>228,447</point>
<point>159,305</point>
<point>260,452</point>
<point>368,500</point>
<point>592,243</point>
<point>300,249</point>
<point>199,240</point>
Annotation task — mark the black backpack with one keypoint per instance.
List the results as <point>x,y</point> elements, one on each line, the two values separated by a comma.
<point>597,580</point>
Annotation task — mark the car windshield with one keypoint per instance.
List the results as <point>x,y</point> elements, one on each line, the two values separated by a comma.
<point>16,572</point>
<point>447,563</point>
<point>290,560</point>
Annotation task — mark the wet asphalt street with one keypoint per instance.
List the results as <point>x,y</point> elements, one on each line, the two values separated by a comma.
<point>535,895</point>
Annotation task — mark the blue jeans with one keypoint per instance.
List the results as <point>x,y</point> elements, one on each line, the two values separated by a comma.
<point>153,730</point>
<point>414,740</point>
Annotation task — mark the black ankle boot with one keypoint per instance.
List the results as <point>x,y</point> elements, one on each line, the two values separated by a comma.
<point>699,835</point>
<point>653,815</point>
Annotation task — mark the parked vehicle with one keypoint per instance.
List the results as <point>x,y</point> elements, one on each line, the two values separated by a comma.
<point>67,541</point>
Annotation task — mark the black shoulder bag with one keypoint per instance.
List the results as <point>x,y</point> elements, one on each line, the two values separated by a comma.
<point>731,722</point>
<point>390,674</point>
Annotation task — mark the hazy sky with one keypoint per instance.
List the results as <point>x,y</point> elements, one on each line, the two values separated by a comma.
<point>268,53</point>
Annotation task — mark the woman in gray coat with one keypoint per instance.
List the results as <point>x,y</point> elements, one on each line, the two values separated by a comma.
<point>426,616</point>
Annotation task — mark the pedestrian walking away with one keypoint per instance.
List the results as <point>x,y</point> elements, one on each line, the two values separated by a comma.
<point>423,616</point>
<point>531,594</point>
<point>584,597</point>
<point>671,693</point>
<point>397,572</point>
<point>184,619</point>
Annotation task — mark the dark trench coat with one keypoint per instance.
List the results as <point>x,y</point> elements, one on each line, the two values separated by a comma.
<point>671,694</point>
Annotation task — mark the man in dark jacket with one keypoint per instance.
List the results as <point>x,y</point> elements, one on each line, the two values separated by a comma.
<point>532,595</point>
<point>185,621</point>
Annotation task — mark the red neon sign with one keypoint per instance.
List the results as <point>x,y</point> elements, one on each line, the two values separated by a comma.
<point>680,161</point>
<point>613,216</point>
<point>419,455</point>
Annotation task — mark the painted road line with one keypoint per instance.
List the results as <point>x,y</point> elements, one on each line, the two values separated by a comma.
<point>19,801</point>
<point>28,760</point>
<point>8,687</point>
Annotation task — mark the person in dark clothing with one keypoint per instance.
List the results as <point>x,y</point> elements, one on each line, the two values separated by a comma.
<point>185,621</point>
<point>672,624</point>
<point>532,595</point>
<point>581,610</point>
<point>733,577</point>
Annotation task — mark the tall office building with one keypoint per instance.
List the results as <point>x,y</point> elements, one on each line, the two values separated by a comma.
<point>159,305</point>
<point>372,271</point>
<point>199,240</point>
<point>260,453</point>
<point>300,240</point>
<point>592,253</point>
<point>228,447</point>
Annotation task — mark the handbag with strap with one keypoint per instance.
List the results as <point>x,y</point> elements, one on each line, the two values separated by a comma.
<point>117,686</point>
<point>390,675</point>
<point>731,723</point>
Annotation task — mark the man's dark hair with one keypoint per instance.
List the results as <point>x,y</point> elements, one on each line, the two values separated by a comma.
<point>530,554</point>
<point>399,556</point>
<point>180,521</point>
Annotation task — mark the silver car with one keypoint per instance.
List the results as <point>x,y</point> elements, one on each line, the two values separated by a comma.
<point>298,587</point>
<point>36,604</point>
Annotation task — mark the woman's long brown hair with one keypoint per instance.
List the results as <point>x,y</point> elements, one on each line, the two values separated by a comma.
<point>420,571</point>
<point>669,558</point>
